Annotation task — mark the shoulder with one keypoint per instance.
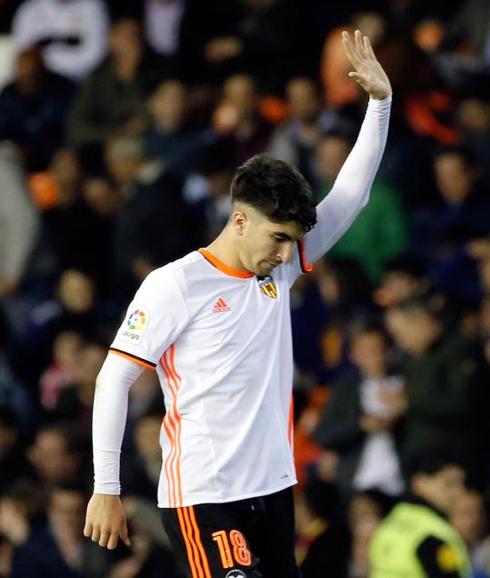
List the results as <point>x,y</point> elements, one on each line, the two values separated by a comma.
<point>439,558</point>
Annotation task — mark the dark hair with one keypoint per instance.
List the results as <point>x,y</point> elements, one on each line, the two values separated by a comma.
<point>431,463</point>
<point>276,189</point>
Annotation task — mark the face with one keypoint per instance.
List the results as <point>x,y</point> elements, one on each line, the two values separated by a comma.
<point>76,291</point>
<point>239,91</point>
<point>263,244</point>
<point>330,155</point>
<point>442,489</point>
<point>147,434</point>
<point>50,457</point>
<point>168,103</point>
<point>411,331</point>
<point>66,510</point>
<point>468,517</point>
<point>453,177</point>
<point>369,354</point>
<point>303,99</point>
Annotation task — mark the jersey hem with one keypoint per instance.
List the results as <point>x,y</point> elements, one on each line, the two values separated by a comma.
<point>215,500</point>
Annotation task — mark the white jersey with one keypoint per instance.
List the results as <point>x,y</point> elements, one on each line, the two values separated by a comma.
<point>220,341</point>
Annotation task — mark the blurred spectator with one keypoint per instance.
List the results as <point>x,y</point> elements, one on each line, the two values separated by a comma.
<point>140,476</point>
<point>237,36</point>
<point>365,512</point>
<point>322,540</point>
<point>416,539</point>
<point>155,225</point>
<point>76,232</point>
<point>294,141</point>
<point>61,372</point>
<point>446,387</point>
<point>456,216</point>
<point>469,517</point>
<point>73,308</point>
<point>19,223</point>
<point>71,34</point>
<point>56,455</point>
<point>162,25</point>
<point>380,231</point>
<point>358,423</point>
<point>170,136</point>
<point>113,94</point>
<point>33,109</point>
<point>238,118</point>
<point>404,277</point>
<point>12,462</point>
<point>209,188</point>
<point>75,403</point>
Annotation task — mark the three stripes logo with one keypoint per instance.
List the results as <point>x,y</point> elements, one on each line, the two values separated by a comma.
<point>221,306</point>
<point>267,286</point>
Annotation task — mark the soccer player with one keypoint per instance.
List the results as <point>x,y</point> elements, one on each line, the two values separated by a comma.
<point>215,326</point>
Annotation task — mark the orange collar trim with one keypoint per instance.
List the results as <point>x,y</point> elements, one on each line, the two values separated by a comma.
<point>223,267</point>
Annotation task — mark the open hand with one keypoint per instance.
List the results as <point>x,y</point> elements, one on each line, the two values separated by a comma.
<point>368,71</point>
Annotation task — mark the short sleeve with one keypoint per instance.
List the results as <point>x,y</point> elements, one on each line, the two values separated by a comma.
<point>154,320</point>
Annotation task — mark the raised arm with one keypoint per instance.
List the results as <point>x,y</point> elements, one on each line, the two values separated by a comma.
<point>350,192</point>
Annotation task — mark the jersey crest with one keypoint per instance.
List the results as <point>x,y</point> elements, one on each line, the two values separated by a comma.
<point>267,286</point>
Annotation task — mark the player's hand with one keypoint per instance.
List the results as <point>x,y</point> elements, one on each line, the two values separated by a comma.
<point>368,71</point>
<point>105,521</point>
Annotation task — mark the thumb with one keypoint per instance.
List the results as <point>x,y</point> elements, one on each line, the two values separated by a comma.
<point>124,534</point>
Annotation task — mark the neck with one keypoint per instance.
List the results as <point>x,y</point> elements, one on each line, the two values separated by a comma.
<point>224,248</point>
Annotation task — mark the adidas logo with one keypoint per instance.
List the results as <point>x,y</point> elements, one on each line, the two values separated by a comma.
<point>221,306</point>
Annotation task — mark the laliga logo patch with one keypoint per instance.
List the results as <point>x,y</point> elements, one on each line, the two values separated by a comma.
<point>136,325</point>
<point>235,574</point>
<point>267,286</point>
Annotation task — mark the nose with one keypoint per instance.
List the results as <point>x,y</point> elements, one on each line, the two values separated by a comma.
<point>286,252</point>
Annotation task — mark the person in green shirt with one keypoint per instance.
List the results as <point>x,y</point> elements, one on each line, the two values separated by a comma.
<point>416,540</point>
<point>380,231</point>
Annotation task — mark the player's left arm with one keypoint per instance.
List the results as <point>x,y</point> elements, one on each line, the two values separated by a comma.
<point>350,192</point>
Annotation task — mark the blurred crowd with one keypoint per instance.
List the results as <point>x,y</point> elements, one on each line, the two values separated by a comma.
<point>121,124</point>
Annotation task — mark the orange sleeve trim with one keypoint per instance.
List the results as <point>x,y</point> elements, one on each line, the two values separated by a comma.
<point>225,268</point>
<point>133,358</point>
<point>305,266</point>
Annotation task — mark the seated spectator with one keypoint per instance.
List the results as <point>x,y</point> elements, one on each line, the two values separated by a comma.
<point>469,517</point>
<point>404,277</point>
<point>445,396</point>
<point>76,235</point>
<point>170,136</point>
<point>113,94</point>
<point>380,231</point>
<point>209,187</point>
<point>322,540</point>
<point>358,423</point>
<point>237,118</point>
<point>428,545</point>
<point>60,373</point>
<point>72,34</point>
<point>365,512</point>
<point>13,465</point>
<point>57,455</point>
<point>294,141</point>
<point>19,223</point>
<point>75,402</point>
<point>33,110</point>
<point>155,225</point>
<point>236,38</point>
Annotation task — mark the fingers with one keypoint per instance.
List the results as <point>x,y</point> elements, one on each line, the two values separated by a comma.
<point>359,43</point>
<point>87,530</point>
<point>368,49</point>
<point>124,535</point>
<point>104,538</point>
<point>360,79</point>
<point>351,51</point>
<point>112,542</point>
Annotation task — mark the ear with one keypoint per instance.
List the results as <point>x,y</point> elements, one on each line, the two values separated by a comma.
<point>239,221</point>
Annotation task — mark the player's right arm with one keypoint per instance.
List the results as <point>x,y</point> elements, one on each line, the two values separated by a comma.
<point>155,318</point>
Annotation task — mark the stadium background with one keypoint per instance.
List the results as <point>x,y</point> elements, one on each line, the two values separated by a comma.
<point>120,128</point>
